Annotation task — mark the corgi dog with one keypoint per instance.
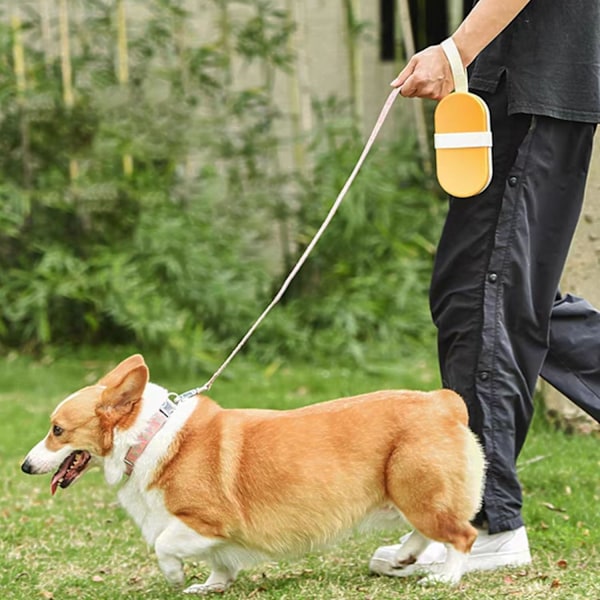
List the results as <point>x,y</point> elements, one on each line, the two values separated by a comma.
<point>233,486</point>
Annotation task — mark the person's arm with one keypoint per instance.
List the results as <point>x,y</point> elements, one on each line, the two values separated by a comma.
<point>428,74</point>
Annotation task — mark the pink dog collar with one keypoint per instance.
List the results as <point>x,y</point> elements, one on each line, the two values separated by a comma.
<point>152,428</point>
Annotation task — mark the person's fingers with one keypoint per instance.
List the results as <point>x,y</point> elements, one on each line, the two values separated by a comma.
<point>404,74</point>
<point>427,75</point>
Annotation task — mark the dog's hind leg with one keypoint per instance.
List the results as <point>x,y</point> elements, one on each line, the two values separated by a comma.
<point>411,549</point>
<point>438,503</point>
<point>452,569</point>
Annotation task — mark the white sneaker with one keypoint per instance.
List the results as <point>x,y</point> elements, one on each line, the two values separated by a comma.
<point>509,548</point>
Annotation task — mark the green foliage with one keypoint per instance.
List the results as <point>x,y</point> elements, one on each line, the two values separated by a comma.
<point>180,254</point>
<point>373,264</point>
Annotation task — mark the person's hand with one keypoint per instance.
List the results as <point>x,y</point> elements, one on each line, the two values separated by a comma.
<point>427,75</point>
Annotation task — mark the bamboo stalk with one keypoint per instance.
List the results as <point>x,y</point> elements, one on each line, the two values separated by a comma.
<point>418,105</point>
<point>299,95</point>
<point>224,23</point>
<point>18,53</point>
<point>123,68</point>
<point>65,54</point>
<point>67,73</point>
<point>181,46</point>
<point>455,13</point>
<point>273,158</point>
<point>354,58</point>
<point>21,80</point>
<point>181,43</point>
<point>123,62</point>
<point>46,35</point>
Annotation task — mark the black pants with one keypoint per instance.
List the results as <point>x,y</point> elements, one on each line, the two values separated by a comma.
<point>494,294</point>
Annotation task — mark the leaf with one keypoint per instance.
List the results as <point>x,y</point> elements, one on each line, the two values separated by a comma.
<point>551,506</point>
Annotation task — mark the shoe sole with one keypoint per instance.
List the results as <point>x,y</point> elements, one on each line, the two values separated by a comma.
<point>483,562</point>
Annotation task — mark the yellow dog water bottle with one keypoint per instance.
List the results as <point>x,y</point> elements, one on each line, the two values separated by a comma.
<point>462,139</point>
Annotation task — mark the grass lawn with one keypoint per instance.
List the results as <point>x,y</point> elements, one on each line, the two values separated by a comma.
<point>81,545</point>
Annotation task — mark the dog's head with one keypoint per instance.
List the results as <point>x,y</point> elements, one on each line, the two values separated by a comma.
<point>82,427</point>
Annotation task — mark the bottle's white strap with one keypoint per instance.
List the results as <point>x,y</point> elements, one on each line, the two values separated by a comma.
<point>469,139</point>
<point>459,72</point>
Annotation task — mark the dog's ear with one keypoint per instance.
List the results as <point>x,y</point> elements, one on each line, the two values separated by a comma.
<point>115,376</point>
<point>119,401</point>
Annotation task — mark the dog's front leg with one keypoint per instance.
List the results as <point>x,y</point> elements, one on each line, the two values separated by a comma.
<point>169,562</point>
<point>219,580</point>
<point>176,543</point>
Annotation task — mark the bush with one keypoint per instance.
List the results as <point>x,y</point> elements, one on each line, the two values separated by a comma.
<point>178,250</point>
<point>367,279</point>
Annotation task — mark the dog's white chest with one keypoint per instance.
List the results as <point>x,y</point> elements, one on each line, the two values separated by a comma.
<point>147,509</point>
<point>147,506</point>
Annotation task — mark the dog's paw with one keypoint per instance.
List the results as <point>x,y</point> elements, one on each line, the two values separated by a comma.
<point>206,588</point>
<point>447,579</point>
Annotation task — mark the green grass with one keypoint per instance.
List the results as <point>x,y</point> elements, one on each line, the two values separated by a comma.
<point>81,545</point>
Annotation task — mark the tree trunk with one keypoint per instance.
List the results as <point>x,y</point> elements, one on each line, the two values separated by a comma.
<point>581,278</point>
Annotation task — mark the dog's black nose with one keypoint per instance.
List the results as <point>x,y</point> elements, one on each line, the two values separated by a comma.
<point>26,467</point>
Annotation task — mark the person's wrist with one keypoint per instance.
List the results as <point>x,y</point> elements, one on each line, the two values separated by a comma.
<point>466,56</point>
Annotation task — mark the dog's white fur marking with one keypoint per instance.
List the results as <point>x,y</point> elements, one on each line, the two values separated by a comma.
<point>45,460</point>
<point>154,396</point>
<point>146,507</point>
<point>41,457</point>
<point>173,541</point>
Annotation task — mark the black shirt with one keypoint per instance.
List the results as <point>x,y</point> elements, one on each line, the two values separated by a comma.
<point>550,55</point>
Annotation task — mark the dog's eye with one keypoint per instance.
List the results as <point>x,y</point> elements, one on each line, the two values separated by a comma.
<point>57,430</point>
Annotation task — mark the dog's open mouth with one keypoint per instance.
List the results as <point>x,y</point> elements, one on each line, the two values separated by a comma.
<point>70,469</point>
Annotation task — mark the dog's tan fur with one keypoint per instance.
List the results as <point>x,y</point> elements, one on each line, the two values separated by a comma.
<point>277,483</point>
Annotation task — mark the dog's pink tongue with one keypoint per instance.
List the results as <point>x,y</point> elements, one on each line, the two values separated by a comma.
<point>56,478</point>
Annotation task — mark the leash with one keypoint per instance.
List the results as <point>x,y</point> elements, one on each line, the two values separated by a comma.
<point>338,201</point>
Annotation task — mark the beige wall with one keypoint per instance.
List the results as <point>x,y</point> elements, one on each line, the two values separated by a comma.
<point>582,278</point>
<point>319,45</point>
<point>322,58</point>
